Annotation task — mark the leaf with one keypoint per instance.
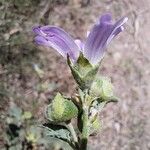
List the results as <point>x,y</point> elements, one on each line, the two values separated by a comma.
<point>58,131</point>
<point>55,144</point>
<point>15,112</point>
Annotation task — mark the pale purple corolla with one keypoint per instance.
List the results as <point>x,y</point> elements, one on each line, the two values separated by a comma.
<point>93,48</point>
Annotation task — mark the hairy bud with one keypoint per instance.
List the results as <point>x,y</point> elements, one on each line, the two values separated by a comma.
<point>61,109</point>
<point>102,88</point>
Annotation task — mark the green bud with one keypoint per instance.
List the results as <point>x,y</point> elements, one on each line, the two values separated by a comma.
<point>95,126</point>
<point>102,88</point>
<point>61,109</point>
<point>83,72</point>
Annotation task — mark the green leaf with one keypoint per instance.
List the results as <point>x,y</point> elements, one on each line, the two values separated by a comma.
<point>58,131</point>
<point>57,144</point>
<point>15,112</point>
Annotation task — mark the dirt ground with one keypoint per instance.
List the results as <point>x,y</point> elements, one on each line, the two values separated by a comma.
<point>125,125</point>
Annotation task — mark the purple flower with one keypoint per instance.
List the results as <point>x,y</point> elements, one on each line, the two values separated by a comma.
<point>94,46</point>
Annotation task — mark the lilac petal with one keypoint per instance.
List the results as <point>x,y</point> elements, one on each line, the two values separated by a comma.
<point>59,40</point>
<point>113,34</point>
<point>94,41</point>
<point>118,27</point>
<point>87,33</point>
<point>51,43</point>
<point>55,31</point>
<point>79,44</point>
<point>36,30</point>
<point>100,36</point>
<point>106,18</point>
<point>41,40</point>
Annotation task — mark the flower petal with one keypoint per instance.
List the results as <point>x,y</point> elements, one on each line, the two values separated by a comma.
<point>53,42</point>
<point>41,40</point>
<point>37,30</point>
<point>117,28</point>
<point>80,44</point>
<point>87,33</point>
<point>100,36</point>
<point>106,18</point>
<point>59,40</point>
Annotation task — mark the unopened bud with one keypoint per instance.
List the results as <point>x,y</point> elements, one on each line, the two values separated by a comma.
<point>61,109</point>
<point>102,88</point>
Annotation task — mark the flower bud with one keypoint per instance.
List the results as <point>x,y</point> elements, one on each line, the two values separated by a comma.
<point>102,88</point>
<point>61,109</point>
<point>95,126</point>
<point>83,72</point>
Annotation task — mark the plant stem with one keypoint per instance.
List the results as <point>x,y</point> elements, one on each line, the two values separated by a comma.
<point>85,129</point>
<point>73,133</point>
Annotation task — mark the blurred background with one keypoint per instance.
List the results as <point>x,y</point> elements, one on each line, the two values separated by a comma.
<point>30,75</point>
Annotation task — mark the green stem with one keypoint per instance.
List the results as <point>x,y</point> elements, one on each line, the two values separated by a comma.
<point>85,129</point>
<point>73,133</point>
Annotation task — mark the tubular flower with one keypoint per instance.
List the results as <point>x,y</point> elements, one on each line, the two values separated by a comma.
<point>93,48</point>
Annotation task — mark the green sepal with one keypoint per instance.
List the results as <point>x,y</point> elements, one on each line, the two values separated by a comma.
<point>102,88</point>
<point>61,109</point>
<point>83,72</point>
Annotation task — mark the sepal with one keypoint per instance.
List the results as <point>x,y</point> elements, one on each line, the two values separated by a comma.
<point>102,88</point>
<point>83,72</point>
<point>61,109</point>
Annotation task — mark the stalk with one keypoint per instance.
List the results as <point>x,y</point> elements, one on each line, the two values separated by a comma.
<point>74,135</point>
<point>85,129</point>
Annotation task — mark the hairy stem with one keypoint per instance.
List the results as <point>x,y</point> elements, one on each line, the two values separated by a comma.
<point>85,129</point>
<point>73,133</point>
